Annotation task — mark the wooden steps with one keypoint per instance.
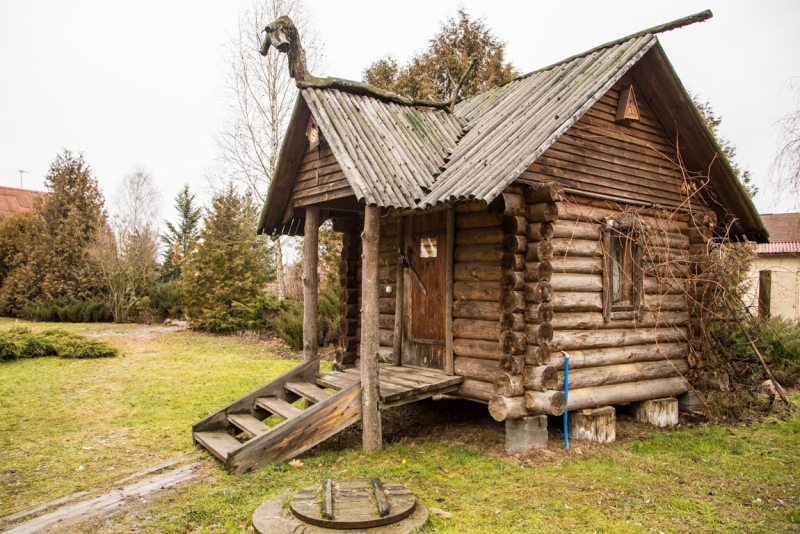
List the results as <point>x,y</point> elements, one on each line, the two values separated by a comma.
<point>325,414</point>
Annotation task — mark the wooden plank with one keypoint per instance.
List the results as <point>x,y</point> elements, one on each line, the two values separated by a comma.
<point>308,391</point>
<point>380,497</point>
<point>449,263</point>
<point>418,396</point>
<point>336,380</point>
<point>327,499</point>
<point>220,444</point>
<point>278,407</point>
<point>311,427</point>
<point>247,423</point>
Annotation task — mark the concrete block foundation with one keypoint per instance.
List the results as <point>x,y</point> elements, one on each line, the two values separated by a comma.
<point>526,433</point>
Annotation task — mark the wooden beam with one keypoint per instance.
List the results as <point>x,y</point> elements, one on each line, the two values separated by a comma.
<point>397,348</point>
<point>310,260</point>
<point>449,260</point>
<point>372,438</point>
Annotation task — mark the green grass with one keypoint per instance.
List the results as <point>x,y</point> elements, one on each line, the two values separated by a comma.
<point>130,412</point>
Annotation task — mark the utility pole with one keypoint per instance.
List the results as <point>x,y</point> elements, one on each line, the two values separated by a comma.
<point>20,177</point>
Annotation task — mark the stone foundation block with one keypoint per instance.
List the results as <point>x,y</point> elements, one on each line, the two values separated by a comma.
<point>659,412</point>
<point>689,401</point>
<point>597,424</point>
<point>526,433</point>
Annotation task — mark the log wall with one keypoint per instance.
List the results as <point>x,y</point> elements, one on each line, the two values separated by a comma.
<point>319,178</point>
<point>349,295</point>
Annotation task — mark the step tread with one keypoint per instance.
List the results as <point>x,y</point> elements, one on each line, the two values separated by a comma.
<point>308,391</point>
<point>217,443</point>
<point>248,424</point>
<point>278,407</point>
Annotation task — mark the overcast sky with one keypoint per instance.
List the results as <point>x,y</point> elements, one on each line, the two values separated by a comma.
<point>140,83</point>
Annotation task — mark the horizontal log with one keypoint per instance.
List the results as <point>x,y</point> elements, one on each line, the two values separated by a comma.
<point>341,357</point>
<point>512,301</point>
<point>515,244</point>
<point>386,321</point>
<point>577,265</point>
<point>588,377</point>
<point>509,385</point>
<point>572,301</point>
<point>349,343</point>
<point>385,354</point>
<point>470,207</point>
<point>388,243</point>
<point>671,270</point>
<point>514,224</point>
<point>664,285</point>
<point>540,377</point>
<point>386,304</point>
<point>538,271</point>
<point>507,204</point>
<point>576,247</point>
<point>594,339</point>
<point>629,392</point>
<point>386,259</point>
<point>699,235</point>
<point>511,364</point>
<point>512,262</point>
<point>479,253</point>
<point>485,370</point>
<point>348,268</point>
<point>545,192</point>
<point>386,337</point>
<point>545,402</point>
<point>477,272</point>
<point>577,282</point>
<point>472,329</point>
<point>538,355</point>
<point>475,309</point>
<point>538,292</point>
<point>615,355</point>
<point>513,280</point>
<point>664,239</point>
<point>538,251</point>
<point>351,310</point>
<point>595,320</point>
<point>476,390</point>
<point>540,231</point>
<point>348,327</point>
<point>513,343</point>
<point>542,212</point>
<point>480,236</point>
<point>665,303</point>
<point>577,230</point>
<point>480,219</point>
<point>507,408</point>
<point>387,275</point>
<point>349,295</point>
<point>477,348</point>
<point>538,313</point>
<point>483,291</point>
<point>539,334</point>
<point>512,321</point>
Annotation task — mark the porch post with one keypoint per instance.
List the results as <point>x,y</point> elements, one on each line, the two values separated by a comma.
<point>372,438</point>
<point>310,252</point>
<point>399,297</point>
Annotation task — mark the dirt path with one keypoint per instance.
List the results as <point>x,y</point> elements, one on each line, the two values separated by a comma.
<point>136,330</point>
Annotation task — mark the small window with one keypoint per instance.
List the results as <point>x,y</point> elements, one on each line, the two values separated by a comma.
<point>427,247</point>
<point>622,286</point>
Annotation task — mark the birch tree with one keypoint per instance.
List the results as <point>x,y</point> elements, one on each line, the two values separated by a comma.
<point>785,169</point>
<point>260,97</point>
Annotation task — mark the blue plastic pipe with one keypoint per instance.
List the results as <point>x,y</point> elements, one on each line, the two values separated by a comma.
<point>566,396</point>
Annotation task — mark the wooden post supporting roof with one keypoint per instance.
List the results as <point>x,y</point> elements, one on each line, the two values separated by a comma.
<point>310,252</point>
<point>451,238</point>
<point>372,438</point>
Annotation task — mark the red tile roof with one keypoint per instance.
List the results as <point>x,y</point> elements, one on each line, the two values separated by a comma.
<point>13,200</point>
<point>784,233</point>
<point>779,247</point>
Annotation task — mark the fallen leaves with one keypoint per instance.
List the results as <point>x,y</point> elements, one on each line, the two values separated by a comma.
<point>296,463</point>
<point>438,512</point>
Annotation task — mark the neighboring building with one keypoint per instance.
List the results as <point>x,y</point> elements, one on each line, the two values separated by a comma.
<point>486,243</point>
<point>775,274</point>
<point>14,200</point>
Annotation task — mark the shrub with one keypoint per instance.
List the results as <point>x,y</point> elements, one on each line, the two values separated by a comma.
<point>17,343</point>
<point>289,324</point>
<point>68,310</point>
<point>782,351</point>
<point>166,300</point>
<point>257,315</point>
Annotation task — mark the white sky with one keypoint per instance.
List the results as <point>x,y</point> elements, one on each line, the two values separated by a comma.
<point>139,83</point>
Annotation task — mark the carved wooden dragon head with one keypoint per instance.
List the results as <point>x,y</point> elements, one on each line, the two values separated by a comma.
<point>283,35</point>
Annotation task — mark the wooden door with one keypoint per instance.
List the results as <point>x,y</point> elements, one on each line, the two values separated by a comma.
<point>424,251</point>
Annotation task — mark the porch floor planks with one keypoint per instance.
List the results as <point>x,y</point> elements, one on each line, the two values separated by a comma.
<point>397,383</point>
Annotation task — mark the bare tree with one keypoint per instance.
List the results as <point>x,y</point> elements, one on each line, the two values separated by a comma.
<point>785,168</point>
<point>260,96</point>
<point>127,250</point>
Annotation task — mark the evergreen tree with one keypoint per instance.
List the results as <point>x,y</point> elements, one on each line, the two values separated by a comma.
<point>64,226</point>
<point>180,240</point>
<point>436,72</point>
<point>229,264</point>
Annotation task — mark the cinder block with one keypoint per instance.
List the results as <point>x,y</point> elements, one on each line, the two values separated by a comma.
<point>689,401</point>
<point>598,424</point>
<point>526,433</point>
<point>659,412</point>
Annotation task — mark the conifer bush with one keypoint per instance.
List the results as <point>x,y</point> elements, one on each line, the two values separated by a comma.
<point>17,343</point>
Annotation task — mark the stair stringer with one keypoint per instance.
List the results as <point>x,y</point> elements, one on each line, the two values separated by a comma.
<point>218,420</point>
<point>295,436</point>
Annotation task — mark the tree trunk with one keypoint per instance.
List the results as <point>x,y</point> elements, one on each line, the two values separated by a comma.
<point>310,296</point>
<point>372,438</point>
<point>630,392</point>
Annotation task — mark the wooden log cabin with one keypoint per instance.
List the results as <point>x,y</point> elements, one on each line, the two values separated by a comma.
<point>560,214</point>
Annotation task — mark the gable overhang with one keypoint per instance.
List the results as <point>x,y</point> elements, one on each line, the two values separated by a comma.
<point>697,146</point>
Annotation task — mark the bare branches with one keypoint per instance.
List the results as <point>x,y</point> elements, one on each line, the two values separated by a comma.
<point>785,168</point>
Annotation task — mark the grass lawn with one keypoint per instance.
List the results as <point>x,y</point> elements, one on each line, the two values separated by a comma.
<point>71,425</point>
